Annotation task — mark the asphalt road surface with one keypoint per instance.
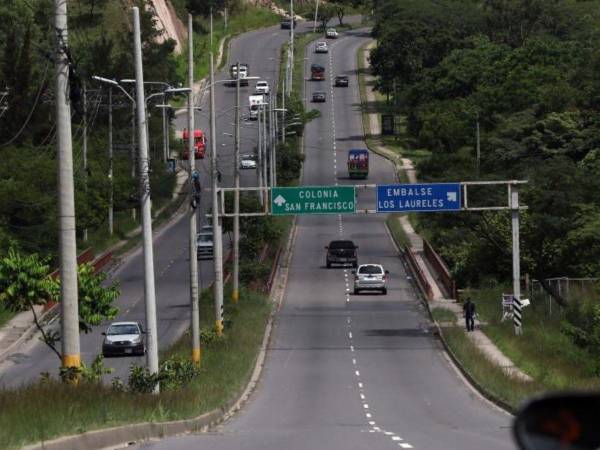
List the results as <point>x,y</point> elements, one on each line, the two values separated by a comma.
<point>261,50</point>
<point>348,371</point>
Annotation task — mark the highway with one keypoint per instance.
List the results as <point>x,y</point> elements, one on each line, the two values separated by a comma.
<point>261,50</point>
<point>348,371</point>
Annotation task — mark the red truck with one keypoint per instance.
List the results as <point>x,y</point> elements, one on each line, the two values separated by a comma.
<point>317,72</point>
<point>199,144</point>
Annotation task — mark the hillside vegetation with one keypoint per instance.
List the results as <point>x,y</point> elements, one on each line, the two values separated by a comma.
<point>100,43</point>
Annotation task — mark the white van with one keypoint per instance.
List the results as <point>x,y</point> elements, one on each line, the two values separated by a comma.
<point>254,102</point>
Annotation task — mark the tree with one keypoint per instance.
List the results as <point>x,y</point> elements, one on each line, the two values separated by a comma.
<point>24,283</point>
<point>325,14</point>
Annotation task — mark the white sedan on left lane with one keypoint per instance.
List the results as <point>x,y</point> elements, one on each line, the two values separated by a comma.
<point>248,162</point>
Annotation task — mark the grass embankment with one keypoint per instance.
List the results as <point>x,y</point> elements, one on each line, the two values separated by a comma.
<point>50,409</point>
<point>543,352</point>
<point>5,315</point>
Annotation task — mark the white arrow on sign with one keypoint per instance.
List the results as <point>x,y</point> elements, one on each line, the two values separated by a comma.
<point>451,196</point>
<point>279,200</point>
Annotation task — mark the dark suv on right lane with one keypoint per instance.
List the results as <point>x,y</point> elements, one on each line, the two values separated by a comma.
<point>341,252</point>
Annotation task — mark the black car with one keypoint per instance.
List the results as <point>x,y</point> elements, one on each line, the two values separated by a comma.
<point>341,252</point>
<point>287,24</point>
<point>318,97</point>
<point>341,81</point>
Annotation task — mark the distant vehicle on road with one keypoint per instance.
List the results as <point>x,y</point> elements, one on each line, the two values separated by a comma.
<point>199,144</point>
<point>318,97</point>
<point>321,47</point>
<point>124,338</point>
<point>331,33</point>
<point>204,245</point>
<point>262,87</point>
<point>286,24</point>
<point>341,81</point>
<point>254,103</point>
<point>248,161</point>
<point>358,163</point>
<point>244,72</point>
<point>370,277</point>
<point>206,228</point>
<point>341,252</point>
<point>317,72</point>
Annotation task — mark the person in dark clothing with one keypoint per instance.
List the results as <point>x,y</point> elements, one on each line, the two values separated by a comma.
<point>469,312</point>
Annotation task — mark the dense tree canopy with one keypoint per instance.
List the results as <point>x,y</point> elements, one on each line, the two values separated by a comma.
<point>529,71</point>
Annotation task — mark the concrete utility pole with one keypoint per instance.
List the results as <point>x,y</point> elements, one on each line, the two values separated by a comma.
<point>217,235</point>
<point>291,46</point>
<point>69,307</point>
<point>132,153</point>
<point>193,246</point>
<point>516,263</point>
<point>85,158</point>
<point>260,156</point>
<point>165,130</point>
<point>266,148</point>
<point>236,194</point>
<point>316,14</point>
<point>149,287</point>
<point>110,164</point>
<point>478,143</point>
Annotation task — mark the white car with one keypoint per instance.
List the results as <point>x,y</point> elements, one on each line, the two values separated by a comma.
<point>262,87</point>
<point>204,245</point>
<point>370,277</point>
<point>321,47</point>
<point>248,162</point>
<point>123,338</point>
<point>331,33</point>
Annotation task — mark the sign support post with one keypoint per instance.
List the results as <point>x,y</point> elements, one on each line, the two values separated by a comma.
<point>513,192</point>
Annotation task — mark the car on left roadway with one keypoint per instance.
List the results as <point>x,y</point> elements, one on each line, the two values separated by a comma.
<point>331,33</point>
<point>370,277</point>
<point>262,87</point>
<point>124,338</point>
<point>248,161</point>
<point>319,97</point>
<point>321,47</point>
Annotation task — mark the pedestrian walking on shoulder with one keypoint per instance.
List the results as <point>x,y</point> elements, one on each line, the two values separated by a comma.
<point>469,313</point>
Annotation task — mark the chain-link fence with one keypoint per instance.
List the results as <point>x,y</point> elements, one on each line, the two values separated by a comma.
<point>571,289</point>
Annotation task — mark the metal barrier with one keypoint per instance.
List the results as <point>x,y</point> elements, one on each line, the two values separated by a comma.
<point>418,273</point>
<point>439,266</point>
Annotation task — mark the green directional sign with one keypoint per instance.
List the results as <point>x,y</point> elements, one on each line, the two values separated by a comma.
<point>312,200</point>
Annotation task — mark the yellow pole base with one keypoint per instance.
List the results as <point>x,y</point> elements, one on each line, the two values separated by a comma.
<point>71,360</point>
<point>219,327</point>
<point>235,296</point>
<point>196,354</point>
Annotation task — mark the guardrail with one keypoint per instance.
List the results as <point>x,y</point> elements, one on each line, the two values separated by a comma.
<point>419,275</point>
<point>439,266</point>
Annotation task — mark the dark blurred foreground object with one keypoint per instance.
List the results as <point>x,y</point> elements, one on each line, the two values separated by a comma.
<point>566,421</point>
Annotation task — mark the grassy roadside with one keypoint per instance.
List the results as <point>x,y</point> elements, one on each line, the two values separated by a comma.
<point>50,409</point>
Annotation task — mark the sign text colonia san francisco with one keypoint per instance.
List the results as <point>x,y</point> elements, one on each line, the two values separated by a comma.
<point>313,200</point>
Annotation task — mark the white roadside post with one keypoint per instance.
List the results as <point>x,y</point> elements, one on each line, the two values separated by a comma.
<point>193,251</point>
<point>236,194</point>
<point>513,191</point>
<point>217,235</point>
<point>149,286</point>
<point>69,307</point>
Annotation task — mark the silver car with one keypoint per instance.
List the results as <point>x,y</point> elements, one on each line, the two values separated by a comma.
<point>370,277</point>
<point>205,245</point>
<point>321,47</point>
<point>124,338</point>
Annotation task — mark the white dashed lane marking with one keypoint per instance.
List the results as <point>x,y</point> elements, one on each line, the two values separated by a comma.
<point>372,424</point>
